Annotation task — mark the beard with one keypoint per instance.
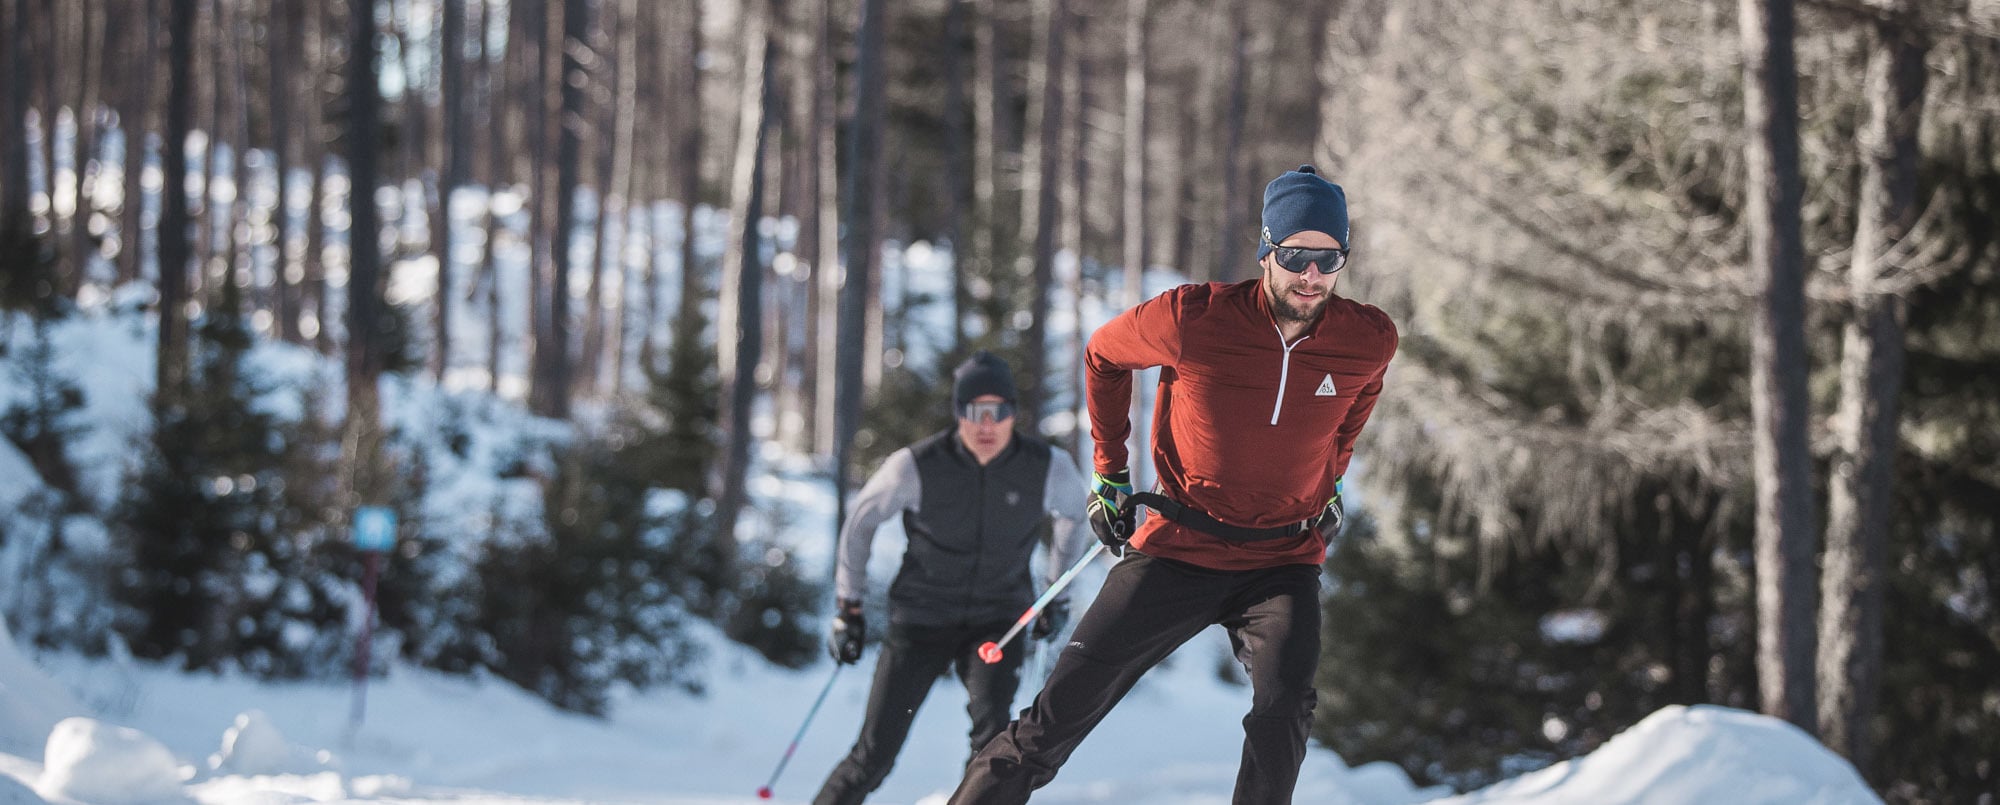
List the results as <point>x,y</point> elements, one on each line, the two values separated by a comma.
<point>1288,307</point>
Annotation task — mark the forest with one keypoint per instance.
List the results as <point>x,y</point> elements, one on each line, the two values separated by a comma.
<point>1697,399</point>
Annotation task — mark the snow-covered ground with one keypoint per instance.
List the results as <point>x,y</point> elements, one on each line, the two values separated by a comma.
<point>430,738</point>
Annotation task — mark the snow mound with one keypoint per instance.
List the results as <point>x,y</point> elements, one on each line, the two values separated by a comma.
<point>105,764</point>
<point>1693,754</point>
<point>254,745</point>
<point>30,702</point>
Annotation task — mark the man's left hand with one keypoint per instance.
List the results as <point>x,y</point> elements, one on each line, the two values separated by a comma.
<point>1052,620</point>
<point>1334,517</point>
<point>1110,518</point>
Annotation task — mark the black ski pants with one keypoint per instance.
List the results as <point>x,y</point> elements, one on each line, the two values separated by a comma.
<point>912,658</point>
<point>1147,608</point>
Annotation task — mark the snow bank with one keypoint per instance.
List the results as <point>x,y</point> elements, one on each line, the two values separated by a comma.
<point>104,764</point>
<point>254,745</point>
<point>325,786</point>
<point>1691,755</point>
<point>30,702</point>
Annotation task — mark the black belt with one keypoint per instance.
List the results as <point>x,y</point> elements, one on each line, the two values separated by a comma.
<point>1206,523</point>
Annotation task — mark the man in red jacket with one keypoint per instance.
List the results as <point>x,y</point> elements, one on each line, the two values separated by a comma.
<point>1264,386</point>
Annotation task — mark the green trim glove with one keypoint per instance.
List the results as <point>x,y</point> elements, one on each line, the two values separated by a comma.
<point>1334,517</point>
<point>1110,519</point>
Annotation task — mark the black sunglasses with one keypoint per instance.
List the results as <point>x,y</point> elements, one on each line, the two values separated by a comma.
<point>986,411</point>
<point>1296,259</point>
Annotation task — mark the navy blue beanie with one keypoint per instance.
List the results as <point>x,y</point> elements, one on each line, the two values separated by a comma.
<point>1301,200</point>
<point>983,373</point>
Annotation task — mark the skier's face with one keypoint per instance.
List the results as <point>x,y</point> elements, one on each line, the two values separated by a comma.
<point>986,434</point>
<point>1299,297</point>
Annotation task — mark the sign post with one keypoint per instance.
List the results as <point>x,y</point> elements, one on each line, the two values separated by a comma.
<point>374,535</point>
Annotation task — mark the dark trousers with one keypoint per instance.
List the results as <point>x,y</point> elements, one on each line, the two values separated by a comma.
<point>912,658</point>
<point>1147,608</point>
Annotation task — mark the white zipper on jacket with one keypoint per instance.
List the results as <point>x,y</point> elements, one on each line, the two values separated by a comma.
<point>1284,370</point>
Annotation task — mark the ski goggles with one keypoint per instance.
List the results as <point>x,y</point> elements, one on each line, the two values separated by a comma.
<point>986,411</point>
<point>1296,259</point>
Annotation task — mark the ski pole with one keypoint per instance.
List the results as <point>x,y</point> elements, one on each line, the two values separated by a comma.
<point>990,651</point>
<point>765,792</point>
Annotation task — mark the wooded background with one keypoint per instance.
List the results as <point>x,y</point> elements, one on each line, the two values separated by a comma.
<point>1697,298</point>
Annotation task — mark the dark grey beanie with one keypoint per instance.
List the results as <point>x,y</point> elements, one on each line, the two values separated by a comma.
<point>1301,200</point>
<point>983,373</point>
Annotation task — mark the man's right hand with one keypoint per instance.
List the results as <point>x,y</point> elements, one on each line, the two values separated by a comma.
<point>849,629</point>
<point>1109,517</point>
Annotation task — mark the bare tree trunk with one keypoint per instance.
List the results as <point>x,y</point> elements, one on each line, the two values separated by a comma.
<point>550,395</point>
<point>502,137</point>
<point>320,137</point>
<point>783,301</point>
<point>610,204</point>
<point>234,30</point>
<point>532,82</point>
<point>14,208</point>
<point>831,288</point>
<point>863,240</point>
<point>134,121</point>
<point>739,329</point>
<point>209,105</point>
<point>1134,200</point>
<point>1230,242</point>
<point>287,35</point>
<point>48,49</point>
<point>362,436</point>
<point>1042,188</point>
<point>817,264</point>
<point>546,237</point>
<point>451,55</point>
<point>1077,214</point>
<point>1134,205</point>
<point>1183,220</point>
<point>170,380</point>
<point>991,131</point>
<point>957,182</point>
<point>1871,373</point>
<point>690,159</point>
<point>665,95</point>
<point>83,150</point>
<point>1784,544</point>
<point>624,118</point>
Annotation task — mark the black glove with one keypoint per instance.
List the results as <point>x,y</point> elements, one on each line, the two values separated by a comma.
<point>1334,517</point>
<point>849,629</point>
<point>1052,620</point>
<point>1109,517</point>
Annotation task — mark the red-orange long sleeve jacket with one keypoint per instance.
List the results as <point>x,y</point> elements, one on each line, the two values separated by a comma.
<point>1248,428</point>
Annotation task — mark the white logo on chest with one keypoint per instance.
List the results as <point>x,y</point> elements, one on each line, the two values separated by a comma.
<point>1013,498</point>
<point>1326,388</point>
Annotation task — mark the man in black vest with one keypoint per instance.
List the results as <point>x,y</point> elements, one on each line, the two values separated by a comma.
<point>973,500</point>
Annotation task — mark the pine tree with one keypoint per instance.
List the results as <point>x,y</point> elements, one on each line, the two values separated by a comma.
<point>58,598</point>
<point>686,396</point>
<point>212,577</point>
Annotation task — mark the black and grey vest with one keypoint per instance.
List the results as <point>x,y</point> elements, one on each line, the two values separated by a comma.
<point>972,533</point>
